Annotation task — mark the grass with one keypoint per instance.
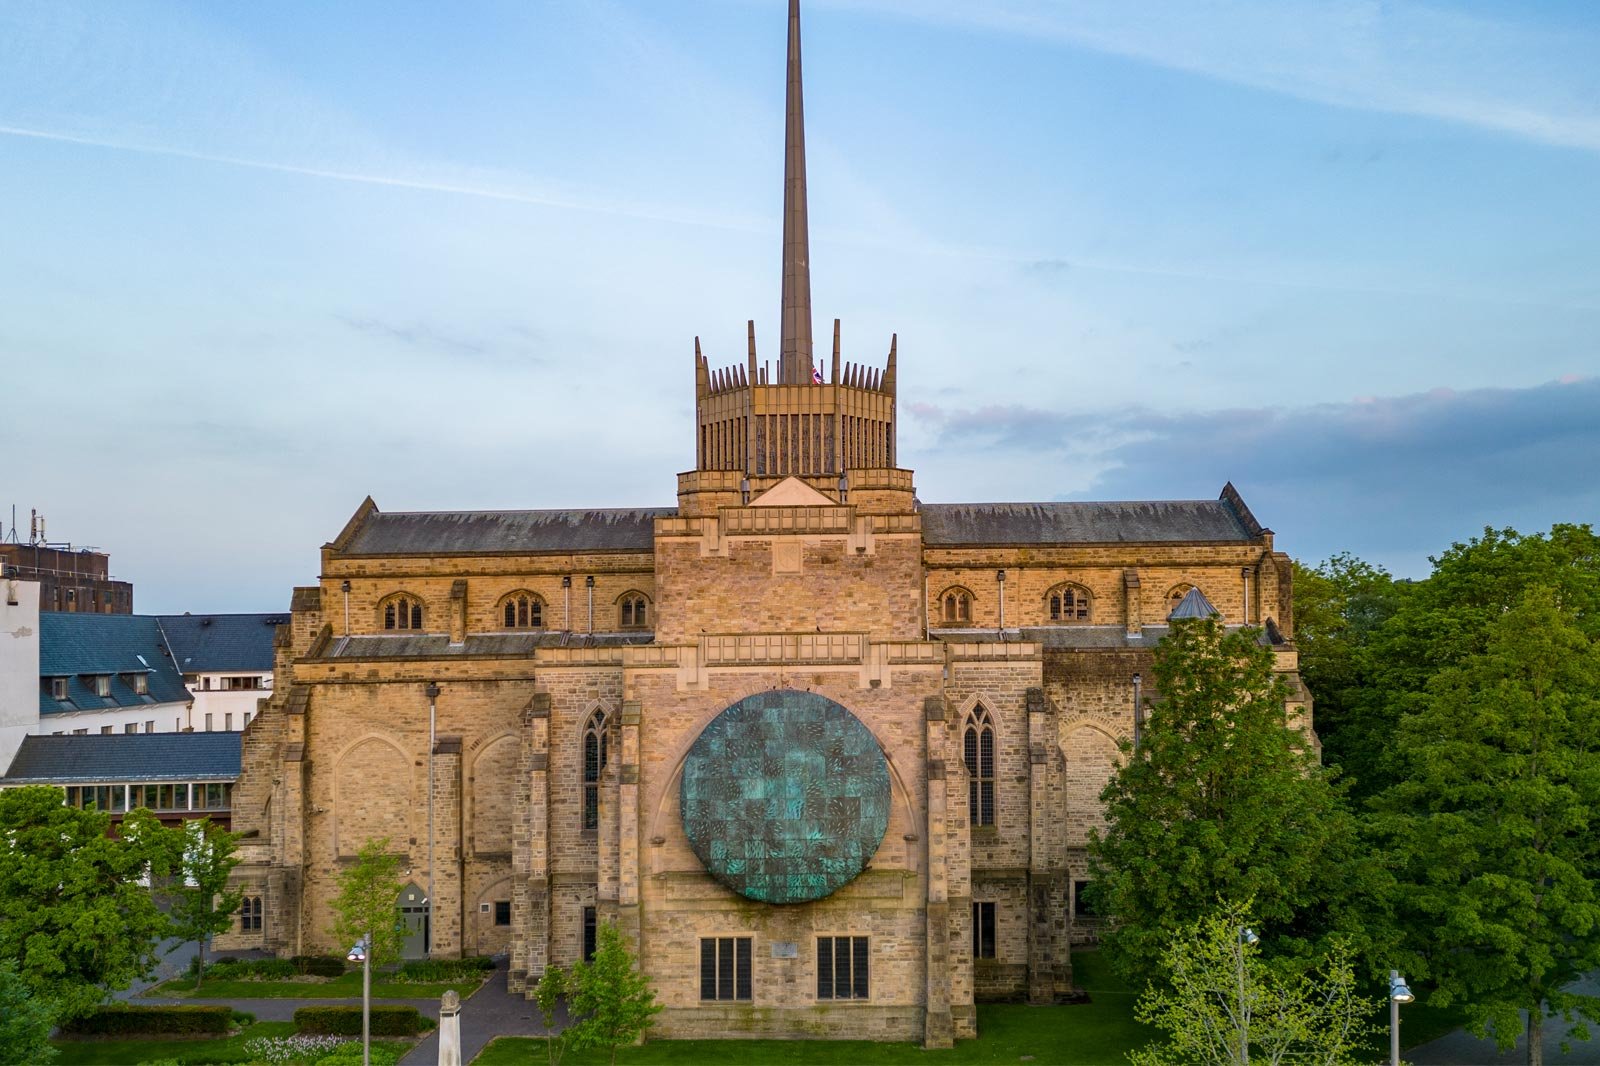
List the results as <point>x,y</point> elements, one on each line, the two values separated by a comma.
<point>346,987</point>
<point>1098,1033</point>
<point>191,1052</point>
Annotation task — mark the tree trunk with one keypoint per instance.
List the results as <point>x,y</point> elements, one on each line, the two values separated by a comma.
<point>200,959</point>
<point>1536,1036</point>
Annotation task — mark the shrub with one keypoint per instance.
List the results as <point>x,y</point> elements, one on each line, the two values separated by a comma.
<point>387,1020</point>
<point>349,1054</point>
<point>426,970</point>
<point>318,965</point>
<point>124,1020</point>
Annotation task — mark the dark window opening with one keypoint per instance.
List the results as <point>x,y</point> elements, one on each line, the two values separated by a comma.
<point>725,968</point>
<point>502,912</point>
<point>590,932</point>
<point>594,761</point>
<point>977,752</point>
<point>843,967</point>
<point>983,930</point>
<point>1082,905</point>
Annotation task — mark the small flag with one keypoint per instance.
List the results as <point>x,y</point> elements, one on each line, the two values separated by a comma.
<point>816,375</point>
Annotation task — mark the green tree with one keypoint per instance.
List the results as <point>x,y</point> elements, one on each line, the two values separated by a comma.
<point>611,999</point>
<point>1441,623</point>
<point>1340,607</point>
<point>1224,798</point>
<point>369,902</point>
<point>25,1021</point>
<point>547,996</point>
<point>200,904</point>
<point>1492,824</point>
<point>73,914</point>
<point>1222,1005</point>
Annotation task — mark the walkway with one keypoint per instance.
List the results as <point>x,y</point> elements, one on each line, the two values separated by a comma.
<point>1462,1049</point>
<point>493,1010</point>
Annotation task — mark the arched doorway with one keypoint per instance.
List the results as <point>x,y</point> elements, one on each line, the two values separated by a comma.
<point>414,913</point>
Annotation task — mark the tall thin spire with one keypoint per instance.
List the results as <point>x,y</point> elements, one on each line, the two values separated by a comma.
<point>794,365</point>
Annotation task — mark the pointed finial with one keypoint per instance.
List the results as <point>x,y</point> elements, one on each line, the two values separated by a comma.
<point>794,366</point>
<point>835,377</point>
<point>888,371</point>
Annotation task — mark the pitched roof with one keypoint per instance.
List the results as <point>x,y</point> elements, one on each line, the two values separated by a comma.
<point>77,646</point>
<point>1143,521</point>
<point>499,645</point>
<point>205,642</point>
<point>126,757</point>
<point>1194,605</point>
<point>465,532</point>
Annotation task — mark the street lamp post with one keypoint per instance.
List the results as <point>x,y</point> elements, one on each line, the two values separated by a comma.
<point>362,953</point>
<point>1398,994</point>
<point>1247,936</point>
<point>433,700</point>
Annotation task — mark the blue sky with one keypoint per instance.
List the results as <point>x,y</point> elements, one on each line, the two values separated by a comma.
<point>262,260</point>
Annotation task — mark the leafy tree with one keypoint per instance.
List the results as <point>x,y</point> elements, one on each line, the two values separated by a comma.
<point>1441,623</point>
<point>1340,606</point>
<point>73,914</point>
<point>610,997</point>
<point>1492,824</point>
<point>200,904</point>
<point>25,1021</point>
<point>1224,1006</point>
<point>547,996</point>
<point>369,902</point>
<point>1224,799</point>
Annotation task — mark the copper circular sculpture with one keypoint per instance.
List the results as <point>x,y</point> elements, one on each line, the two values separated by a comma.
<point>785,797</point>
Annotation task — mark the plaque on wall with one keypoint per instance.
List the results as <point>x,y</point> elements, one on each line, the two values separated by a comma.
<point>785,949</point>
<point>785,797</point>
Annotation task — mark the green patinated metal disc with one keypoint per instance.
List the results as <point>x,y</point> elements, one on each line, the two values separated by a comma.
<point>785,797</point>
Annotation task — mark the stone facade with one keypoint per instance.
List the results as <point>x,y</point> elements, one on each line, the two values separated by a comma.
<point>798,557</point>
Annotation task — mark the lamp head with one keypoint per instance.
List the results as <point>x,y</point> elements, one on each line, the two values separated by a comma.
<point>1248,936</point>
<point>1398,990</point>
<point>432,691</point>
<point>358,953</point>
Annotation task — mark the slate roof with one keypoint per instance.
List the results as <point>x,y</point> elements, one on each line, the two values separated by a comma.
<point>211,642</point>
<point>1194,605</point>
<point>78,646</point>
<point>126,757</point>
<point>467,532</point>
<point>1142,521</point>
<point>503,645</point>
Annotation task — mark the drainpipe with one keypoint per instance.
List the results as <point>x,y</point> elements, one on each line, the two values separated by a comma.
<point>1138,710</point>
<point>588,583</point>
<point>1244,572</point>
<point>566,602</point>
<point>345,587</point>
<point>1000,580</point>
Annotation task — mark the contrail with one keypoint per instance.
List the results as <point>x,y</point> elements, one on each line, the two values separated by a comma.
<point>449,188</point>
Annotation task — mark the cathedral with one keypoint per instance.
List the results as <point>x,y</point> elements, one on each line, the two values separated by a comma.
<point>826,754</point>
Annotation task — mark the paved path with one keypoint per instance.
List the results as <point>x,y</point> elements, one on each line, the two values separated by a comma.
<point>489,1012</point>
<point>1462,1049</point>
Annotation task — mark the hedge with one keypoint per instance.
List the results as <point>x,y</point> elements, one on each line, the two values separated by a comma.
<point>318,965</point>
<point>125,1020</point>
<point>387,1020</point>
<point>473,966</point>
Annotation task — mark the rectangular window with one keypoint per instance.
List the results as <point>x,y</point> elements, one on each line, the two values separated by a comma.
<point>131,727</point>
<point>58,688</point>
<point>205,684</point>
<point>1081,907</point>
<point>227,722</point>
<point>208,721</point>
<point>105,730</point>
<point>843,967</point>
<point>102,684</point>
<point>502,912</point>
<point>80,732</point>
<point>983,930</point>
<point>149,727</point>
<point>246,719</point>
<point>191,680</point>
<point>240,684</point>
<point>141,684</point>
<point>725,968</point>
<point>590,931</point>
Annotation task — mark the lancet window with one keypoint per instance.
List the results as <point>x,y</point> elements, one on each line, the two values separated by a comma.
<point>977,750</point>
<point>402,612</point>
<point>594,761</point>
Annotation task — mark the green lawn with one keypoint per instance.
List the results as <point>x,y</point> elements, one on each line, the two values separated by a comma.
<point>192,1052</point>
<point>344,987</point>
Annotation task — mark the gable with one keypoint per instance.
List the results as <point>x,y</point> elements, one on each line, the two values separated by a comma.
<point>792,492</point>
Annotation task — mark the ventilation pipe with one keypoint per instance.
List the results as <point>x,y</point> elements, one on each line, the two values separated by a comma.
<point>1138,710</point>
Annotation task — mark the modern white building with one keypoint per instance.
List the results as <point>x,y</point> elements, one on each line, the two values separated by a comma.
<point>19,665</point>
<point>226,663</point>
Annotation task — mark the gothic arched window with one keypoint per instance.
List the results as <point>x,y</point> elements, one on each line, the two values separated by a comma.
<point>977,750</point>
<point>1176,596</point>
<point>955,606</point>
<point>1069,603</point>
<point>522,610</point>
<point>594,761</point>
<point>402,612</point>
<point>634,610</point>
